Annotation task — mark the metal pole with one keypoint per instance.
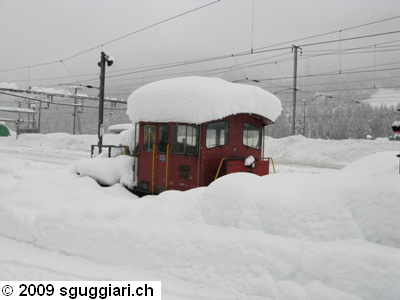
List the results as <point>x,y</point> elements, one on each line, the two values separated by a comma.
<point>40,113</point>
<point>304,117</point>
<point>294,90</point>
<point>100,128</point>
<point>73,130</point>
<point>75,111</point>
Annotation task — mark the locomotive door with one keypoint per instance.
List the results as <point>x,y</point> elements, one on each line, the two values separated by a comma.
<point>162,150</point>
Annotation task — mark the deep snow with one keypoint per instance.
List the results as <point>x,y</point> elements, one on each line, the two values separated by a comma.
<point>303,233</point>
<point>194,99</point>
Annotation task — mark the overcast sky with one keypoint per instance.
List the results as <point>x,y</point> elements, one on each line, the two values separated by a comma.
<point>38,31</point>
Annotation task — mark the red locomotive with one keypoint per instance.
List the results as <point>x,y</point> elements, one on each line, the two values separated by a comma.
<point>192,130</point>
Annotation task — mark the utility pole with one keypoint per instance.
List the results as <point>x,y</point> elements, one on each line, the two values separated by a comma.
<point>100,127</point>
<point>105,58</point>
<point>73,130</point>
<point>294,48</point>
<point>304,116</point>
<point>40,113</point>
<point>75,109</point>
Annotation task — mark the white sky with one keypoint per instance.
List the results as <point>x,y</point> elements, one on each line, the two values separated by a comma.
<point>37,31</point>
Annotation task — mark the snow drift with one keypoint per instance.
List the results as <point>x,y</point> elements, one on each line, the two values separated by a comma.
<point>199,99</point>
<point>284,236</point>
<point>108,171</point>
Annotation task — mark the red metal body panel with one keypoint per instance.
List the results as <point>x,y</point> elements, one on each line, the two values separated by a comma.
<point>261,167</point>
<point>190,171</point>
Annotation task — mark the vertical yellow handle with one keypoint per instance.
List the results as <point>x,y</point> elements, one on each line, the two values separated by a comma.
<point>166,169</point>
<point>273,165</point>
<point>152,168</point>
<point>219,168</point>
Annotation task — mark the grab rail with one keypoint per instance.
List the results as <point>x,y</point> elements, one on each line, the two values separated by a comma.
<point>219,168</point>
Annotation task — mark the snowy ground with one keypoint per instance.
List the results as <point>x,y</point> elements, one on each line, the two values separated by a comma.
<point>326,226</point>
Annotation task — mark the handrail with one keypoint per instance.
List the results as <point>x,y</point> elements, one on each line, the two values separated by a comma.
<point>272,161</point>
<point>152,168</point>
<point>166,168</point>
<point>126,151</point>
<point>219,168</point>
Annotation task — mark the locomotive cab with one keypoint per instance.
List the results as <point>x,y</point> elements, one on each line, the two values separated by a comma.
<point>173,153</point>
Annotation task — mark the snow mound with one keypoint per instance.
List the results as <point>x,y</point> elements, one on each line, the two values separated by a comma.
<point>199,99</point>
<point>298,236</point>
<point>334,154</point>
<point>61,92</point>
<point>61,140</point>
<point>324,207</point>
<point>117,128</point>
<point>376,164</point>
<point>6,85</point>
<point>108,171</point>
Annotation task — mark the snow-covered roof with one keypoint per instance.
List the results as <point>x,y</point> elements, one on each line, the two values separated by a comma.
<point>17,110</point>
<point>117,128</point>
<point>396,124</point>
<point>199,99</point>
<point>7,85</point>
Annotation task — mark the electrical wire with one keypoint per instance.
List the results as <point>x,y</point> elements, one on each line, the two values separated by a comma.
<point>113,40</point>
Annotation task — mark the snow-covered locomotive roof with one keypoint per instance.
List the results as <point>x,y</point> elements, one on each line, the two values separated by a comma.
<point>199,99</point>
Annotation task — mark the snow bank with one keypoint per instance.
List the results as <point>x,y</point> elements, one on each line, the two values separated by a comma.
<point>6,85</point>
<point>108,171</point>
<point>336,154</point>
<point>60,141</point>
<point>284,236</point>
<point>60,92</point>
<point>199,99</point>
<point>360,202</point>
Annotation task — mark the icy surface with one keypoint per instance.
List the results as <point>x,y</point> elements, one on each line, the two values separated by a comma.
<point>199,99</point>
<point>297,235</point>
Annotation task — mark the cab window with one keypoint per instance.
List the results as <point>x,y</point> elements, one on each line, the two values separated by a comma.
<point>217,134</point>
<point>251,136</point>
<point>148,140</point>
<point>162,138</point>
<point>185,139</point>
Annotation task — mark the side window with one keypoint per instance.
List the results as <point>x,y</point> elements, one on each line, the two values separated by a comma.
<point>162,138</point>
<point>251,136</point>
<point>148,140</point>
<point>184,139</point>
<point>217,134</point>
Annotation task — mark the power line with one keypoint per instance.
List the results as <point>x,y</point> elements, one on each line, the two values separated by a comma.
<point>156,68</point>
<point>331,32</point>
<point>177,64</point>
<point>206,59</point>
<point>350,39</point>
<point>114,40</point>
<point>142,29</point>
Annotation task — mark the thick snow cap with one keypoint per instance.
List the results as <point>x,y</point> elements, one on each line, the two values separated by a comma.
<point>198,100</point>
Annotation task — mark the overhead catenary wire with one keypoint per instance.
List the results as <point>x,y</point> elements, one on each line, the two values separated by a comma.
<point>215,58</point>
<point>177,64</point>
<point>246,65</point>
<point>115,39</point>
